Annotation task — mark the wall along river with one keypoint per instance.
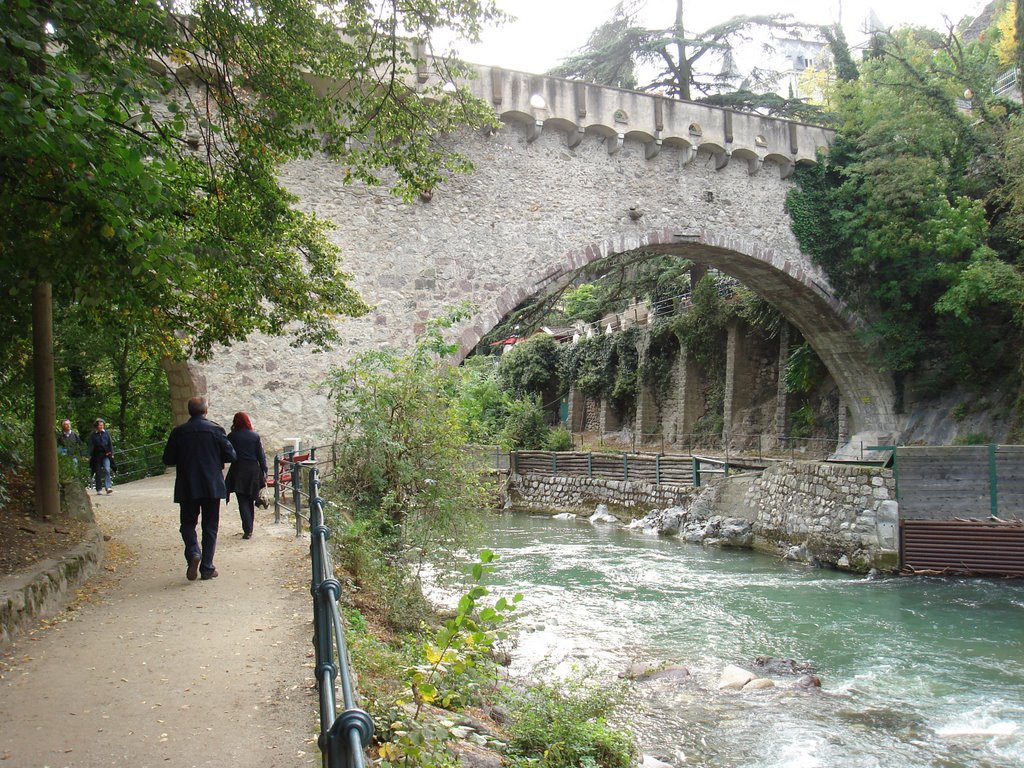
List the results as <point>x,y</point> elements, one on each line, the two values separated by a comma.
<point>916,672</point>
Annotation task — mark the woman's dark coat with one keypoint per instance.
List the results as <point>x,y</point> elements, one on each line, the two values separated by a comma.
<point>99,445</point>
<point>248,472</point>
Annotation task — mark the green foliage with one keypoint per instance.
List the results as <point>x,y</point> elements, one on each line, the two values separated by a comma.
<point>558,439</point>
<point>802,421</point>
<point>139,176</point>
<point>526,426</point>
<point>565,725</point>
<point>400,438</point>
<point>663,350</point>
<point>702,330</point>
<point>589,365</point>
<point>974,438</point>
<point>804,369</point>
<point>619,47</point>
<point>482,404</point>
<point>454,667</point>
<point>458,660</point>
<point>586,302</point>
<point>530,367</point>
<point>913,212</point>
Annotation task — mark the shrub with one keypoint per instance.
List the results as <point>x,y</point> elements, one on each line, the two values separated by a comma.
<point>525,427</point>
<point>559,439</point>
<point>565,725</point>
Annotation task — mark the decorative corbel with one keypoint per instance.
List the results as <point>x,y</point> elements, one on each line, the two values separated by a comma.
<point>652,148</point>
<point>615,143</point>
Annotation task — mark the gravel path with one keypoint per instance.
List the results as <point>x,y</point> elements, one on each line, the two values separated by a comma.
<point>147,669</point>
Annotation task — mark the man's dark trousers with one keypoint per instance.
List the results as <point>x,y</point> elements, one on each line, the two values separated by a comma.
<point>190,512</point>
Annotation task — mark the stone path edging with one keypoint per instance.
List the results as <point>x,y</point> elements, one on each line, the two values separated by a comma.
<point>45,589</point>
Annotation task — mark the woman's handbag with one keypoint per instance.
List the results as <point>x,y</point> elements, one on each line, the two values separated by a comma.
<point>261,498</point>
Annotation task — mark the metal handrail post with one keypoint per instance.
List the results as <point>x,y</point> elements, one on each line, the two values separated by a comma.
<point>277,489</point>
<point>297,496</point>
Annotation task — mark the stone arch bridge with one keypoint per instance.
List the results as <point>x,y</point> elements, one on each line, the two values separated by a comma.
<point>577,173</point>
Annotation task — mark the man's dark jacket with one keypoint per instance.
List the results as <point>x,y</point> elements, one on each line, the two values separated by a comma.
<point>199,449</point>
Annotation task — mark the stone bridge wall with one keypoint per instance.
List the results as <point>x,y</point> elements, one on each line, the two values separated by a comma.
<point>552,190</point>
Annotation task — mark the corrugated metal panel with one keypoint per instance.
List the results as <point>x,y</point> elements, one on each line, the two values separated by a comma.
<point>976,547</point>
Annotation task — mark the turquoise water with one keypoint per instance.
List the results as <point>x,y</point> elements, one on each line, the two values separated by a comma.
<point>915,671</point>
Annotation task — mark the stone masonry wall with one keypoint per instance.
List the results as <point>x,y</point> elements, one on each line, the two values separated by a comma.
<point>844,515</point>
<point>582,494</point>
<point>533,210</point>
<point>839,515</point>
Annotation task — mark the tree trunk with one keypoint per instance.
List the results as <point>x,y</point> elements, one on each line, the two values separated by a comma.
<point>1018,25</point>
<point>683,64</point>
<point>47,497</point>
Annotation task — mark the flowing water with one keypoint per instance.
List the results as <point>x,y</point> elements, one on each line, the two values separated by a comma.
<point>915,671</point>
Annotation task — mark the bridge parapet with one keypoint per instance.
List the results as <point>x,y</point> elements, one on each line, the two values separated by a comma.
<point>618,115</point>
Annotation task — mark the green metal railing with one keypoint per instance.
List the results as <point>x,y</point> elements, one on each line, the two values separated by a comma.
<point>344,735</point>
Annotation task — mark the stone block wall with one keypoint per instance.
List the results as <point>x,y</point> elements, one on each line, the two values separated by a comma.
<point>843,515</point>
<point>581,495</point>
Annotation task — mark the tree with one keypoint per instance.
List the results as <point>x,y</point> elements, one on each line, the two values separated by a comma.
<point>139,157</point>
<point>914,212</point>
<point>400,436</point>
<point>618,47</point>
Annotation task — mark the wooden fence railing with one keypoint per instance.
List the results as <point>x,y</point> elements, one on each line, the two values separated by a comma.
<point>659,469</point>
<point>964,481</point>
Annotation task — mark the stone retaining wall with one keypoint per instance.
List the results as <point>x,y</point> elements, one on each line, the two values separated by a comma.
<point>581,494</point>
<point>27,597</point>
<point>838,515</point>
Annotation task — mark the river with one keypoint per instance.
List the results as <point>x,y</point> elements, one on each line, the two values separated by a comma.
<point>915,672</point>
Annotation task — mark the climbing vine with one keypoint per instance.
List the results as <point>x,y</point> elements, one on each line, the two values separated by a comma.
<point>656,368</point>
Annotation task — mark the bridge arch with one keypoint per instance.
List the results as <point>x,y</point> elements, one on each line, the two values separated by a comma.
<point>801,295</point>
<point>582,174</point>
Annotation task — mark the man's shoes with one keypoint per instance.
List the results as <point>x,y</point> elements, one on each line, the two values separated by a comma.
<point>193,568</point>
<point>110,490</point>
<point>210,575</point>
<point>246,535</point>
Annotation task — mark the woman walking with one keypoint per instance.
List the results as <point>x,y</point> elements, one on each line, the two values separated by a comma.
<point>248,472</point>
<point>101,456</point>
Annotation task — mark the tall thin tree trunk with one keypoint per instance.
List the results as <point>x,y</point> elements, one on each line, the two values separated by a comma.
<point>47,496</point>
<point>682,64</point>
<point>1018,24</point>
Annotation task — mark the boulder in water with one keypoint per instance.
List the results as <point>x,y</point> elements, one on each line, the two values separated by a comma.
<point>602,515</point>
<point>734,677</point>
<point>808,682</point>
<point>758,684</point>
<point>776,666</point>
<point>671,672</point>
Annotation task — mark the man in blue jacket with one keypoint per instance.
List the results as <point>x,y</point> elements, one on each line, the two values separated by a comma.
<point>199,449</point>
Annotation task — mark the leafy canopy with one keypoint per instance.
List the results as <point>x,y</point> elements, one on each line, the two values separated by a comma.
<point>140,151</point>
<point>915,211</point>
<point>684,64</point>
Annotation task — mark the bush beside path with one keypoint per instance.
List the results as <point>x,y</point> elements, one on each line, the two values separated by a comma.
<point>144,668</point>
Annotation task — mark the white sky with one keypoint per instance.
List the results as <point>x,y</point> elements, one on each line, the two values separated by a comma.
<point>548,30</point>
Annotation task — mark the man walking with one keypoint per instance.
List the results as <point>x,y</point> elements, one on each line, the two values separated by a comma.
<point>199,449</point>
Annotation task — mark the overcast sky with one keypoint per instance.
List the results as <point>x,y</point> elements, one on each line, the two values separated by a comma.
<point>548,30</point>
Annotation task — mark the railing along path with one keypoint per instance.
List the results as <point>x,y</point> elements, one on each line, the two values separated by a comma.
<point>345,735</point>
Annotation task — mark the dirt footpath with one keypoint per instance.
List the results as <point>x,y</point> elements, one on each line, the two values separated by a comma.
<point>147,669</point>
